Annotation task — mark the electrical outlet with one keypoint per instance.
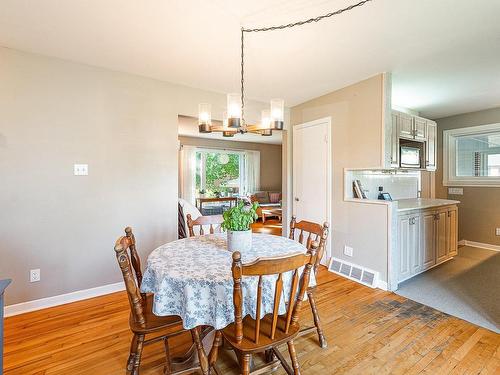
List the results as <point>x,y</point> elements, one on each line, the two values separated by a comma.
<point>456,191</point>
<point>81,169</point>
<point>35,275</point>
<point>497,231</point>
<point>348,251</point>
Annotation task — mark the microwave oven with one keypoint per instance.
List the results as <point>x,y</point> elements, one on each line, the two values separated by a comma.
<point>411,155</point>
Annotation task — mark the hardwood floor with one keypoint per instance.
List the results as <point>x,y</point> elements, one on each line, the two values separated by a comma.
<point>271,226</point>
<point>369,331</point>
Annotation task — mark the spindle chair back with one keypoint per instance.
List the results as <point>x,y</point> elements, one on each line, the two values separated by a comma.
<point>214,221</point>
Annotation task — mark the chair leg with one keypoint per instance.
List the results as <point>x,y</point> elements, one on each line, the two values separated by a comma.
<point>317,321</point>
<point>245,364</point>
<point>293,357</point>
<point>138,354</point>
<point>133,350</point>
<point>168,369</point>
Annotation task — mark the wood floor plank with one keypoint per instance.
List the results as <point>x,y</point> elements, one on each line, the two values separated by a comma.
<point>369,331</point>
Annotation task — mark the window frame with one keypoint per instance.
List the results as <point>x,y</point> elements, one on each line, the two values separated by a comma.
<point>450,177</point>
<point>203,151</point>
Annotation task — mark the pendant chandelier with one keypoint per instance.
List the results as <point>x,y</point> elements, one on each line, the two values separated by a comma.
<point>233,120</point>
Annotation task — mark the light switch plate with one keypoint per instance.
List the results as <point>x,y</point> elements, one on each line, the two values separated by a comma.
<point>456,191</point>
<point>81,169</point>
<point>348,251</point>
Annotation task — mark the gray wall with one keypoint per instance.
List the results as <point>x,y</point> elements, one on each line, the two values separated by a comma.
<point>479,212</point>
<point>53,114</point>
<point>270,157</point>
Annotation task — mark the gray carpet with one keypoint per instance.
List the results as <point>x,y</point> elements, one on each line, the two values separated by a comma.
<point>467,287</point>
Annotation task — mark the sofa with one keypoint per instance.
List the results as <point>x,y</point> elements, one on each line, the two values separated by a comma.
<point>266,199</point>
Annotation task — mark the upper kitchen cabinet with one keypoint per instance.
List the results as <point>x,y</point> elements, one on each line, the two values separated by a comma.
<point>411,127</point>
<point>394,162</point>
<point>404,125</point>
<point>419,129</point>
<point>414,128</point>
<point>431,148</point>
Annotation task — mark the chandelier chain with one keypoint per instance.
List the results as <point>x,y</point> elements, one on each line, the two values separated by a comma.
<point>242,78</point>
<point>281,27</point>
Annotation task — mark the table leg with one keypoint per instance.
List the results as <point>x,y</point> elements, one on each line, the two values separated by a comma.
<point>202,356</point>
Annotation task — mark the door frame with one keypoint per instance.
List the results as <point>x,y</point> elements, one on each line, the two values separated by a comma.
<point>329,162</point>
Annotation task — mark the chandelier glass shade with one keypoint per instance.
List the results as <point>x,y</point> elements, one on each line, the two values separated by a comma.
<point>233,121</point>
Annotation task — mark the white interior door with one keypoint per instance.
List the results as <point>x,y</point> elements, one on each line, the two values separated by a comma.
<point>312,171</point>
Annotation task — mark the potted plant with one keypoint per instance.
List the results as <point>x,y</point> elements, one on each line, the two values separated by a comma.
<point>237,222</point>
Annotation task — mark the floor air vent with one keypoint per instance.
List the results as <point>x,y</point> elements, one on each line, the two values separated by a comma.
<point>354,272</point>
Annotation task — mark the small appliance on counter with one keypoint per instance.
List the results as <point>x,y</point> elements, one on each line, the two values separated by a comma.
<point>384,196</point>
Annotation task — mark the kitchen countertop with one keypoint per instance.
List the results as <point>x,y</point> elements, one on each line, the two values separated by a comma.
<point>423,203</point>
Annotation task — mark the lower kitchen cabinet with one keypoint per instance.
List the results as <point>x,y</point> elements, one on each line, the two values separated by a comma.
<point>452,229</point>
<point>426,238</point>
<point>442,241</point>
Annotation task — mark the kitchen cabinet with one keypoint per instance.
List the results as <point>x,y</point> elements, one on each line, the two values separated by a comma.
<point>419,129</point>
<point>426,238</point>
<point>405,125</point>
<point>431,146</point>
<point>395,141</point>
<point>452,231</point>
<point>410,259</point>
<point>441,236</point>
<point>405,248</point>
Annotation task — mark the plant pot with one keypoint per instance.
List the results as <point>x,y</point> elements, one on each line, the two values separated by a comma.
<point>239,240</point>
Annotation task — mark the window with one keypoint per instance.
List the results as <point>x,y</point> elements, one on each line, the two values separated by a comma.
<point>228,172</point>
<point>219,172</point>
<point>472,156</point>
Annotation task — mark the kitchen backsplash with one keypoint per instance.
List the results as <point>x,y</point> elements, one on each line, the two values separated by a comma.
<point>399,184</point>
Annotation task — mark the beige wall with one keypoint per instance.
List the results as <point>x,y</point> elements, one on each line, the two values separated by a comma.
<point>479,212</point>
<point>53,114</point>
<point>270,157</point>
<point>357,135</point>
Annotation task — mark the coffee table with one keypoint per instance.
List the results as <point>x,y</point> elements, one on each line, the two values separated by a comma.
<point>267,212</point>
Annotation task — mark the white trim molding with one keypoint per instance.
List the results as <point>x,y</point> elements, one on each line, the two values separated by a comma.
<point>79,295</point>
<point>450,177</point>
<point>480,245</point>
<point>382,285</point>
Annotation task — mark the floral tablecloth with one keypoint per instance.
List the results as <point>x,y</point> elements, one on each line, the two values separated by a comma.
<point>192,278</point>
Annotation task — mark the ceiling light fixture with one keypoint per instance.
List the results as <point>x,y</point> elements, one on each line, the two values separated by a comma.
<point>233,121</point>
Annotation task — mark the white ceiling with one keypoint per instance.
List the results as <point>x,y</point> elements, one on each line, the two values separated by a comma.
<point>188,127</point>
<point>445,54</point>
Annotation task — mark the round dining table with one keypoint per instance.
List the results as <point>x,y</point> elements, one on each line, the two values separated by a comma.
<point>192,278</point>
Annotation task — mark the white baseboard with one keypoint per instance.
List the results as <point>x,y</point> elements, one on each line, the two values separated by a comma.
<point>486,246</point>
<point>382,285</point>
<point>43,303</point>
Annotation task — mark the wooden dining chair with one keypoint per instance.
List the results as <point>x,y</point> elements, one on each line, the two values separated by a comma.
<point>142,320</point>
<point>248,336</point>
<point>212,220</point>
<point>308,232</point>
